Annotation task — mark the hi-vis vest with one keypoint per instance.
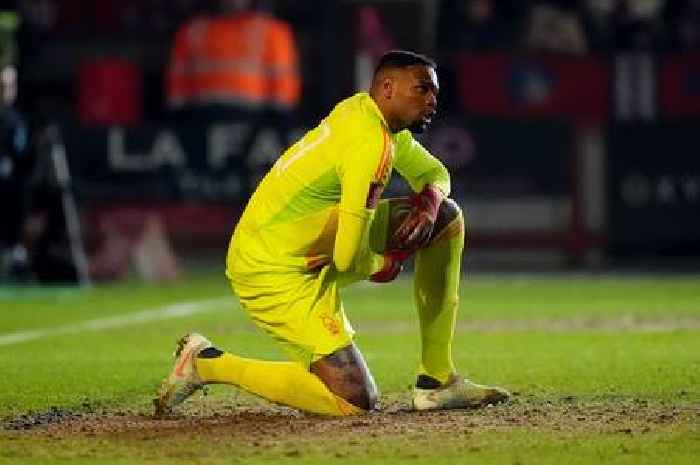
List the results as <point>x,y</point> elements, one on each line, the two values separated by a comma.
<point>248,60</point>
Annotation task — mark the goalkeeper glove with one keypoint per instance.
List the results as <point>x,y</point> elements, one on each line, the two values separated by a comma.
<point>393,264</point>
<point>416,228</point>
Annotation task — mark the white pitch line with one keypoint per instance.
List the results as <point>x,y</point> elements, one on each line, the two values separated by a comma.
<point>169,311</point>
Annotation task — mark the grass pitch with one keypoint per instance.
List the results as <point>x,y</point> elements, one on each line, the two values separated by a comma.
<point>605,369</point>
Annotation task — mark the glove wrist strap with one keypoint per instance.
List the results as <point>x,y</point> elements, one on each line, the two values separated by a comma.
<point>430,199</point>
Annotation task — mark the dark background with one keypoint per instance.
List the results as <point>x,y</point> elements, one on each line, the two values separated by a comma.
<point>550,111</point>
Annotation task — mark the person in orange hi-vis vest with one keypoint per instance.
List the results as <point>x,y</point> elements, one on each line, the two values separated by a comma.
<point>234,57</point>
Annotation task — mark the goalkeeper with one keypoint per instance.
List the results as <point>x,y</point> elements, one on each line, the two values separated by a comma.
<point>316,224</point>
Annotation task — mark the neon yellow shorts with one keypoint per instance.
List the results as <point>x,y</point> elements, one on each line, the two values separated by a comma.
<point>304,311</point>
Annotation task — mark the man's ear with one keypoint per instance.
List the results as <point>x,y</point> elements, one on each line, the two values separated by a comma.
<point>388,87</point>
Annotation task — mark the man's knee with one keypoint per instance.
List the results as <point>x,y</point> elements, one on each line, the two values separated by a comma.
<point>448,213</point>
<point>362,396</point>
<point>347,376</point>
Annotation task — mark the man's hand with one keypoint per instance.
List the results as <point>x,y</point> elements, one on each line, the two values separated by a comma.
<point>415,230</point>
<point>393,264</point>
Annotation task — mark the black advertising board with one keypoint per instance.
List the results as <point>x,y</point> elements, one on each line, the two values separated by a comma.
<point>497,158</point>
<point>654,190</point>
<point>219,162</point>
<point>223,162</point>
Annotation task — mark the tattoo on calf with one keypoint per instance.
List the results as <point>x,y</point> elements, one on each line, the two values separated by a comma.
<point>346,375</point>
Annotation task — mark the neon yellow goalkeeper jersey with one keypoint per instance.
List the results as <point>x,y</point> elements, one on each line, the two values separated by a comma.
<point>341,165</point>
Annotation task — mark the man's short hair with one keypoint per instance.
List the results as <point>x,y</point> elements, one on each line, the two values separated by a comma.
<point>403,59</point>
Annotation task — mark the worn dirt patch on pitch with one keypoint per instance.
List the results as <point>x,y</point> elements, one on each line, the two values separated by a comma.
<point>265,424</point>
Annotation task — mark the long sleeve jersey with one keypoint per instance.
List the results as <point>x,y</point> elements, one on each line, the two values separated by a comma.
<point>315,205</point>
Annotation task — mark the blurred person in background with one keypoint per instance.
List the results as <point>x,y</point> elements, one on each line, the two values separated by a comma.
<point>555,28</point>
<point>597,20</point>
<point>16,161</point>
<point>315,225</point>
<point>478,24</point>
<point>233,61</point>
<point>16,164</point>
<point>626,24</point>
<point>373,40</point>
<point>637,24</point>
<point>682,20</point>
<point>473,26</point>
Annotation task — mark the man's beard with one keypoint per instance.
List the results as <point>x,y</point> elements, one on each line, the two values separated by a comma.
<point>418,127</point>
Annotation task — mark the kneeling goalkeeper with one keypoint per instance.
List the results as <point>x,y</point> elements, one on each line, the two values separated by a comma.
<point>316,224</point>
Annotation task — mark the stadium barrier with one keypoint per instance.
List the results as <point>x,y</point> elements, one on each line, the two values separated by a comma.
<point>524,184</point>
<point>514,179</point>
<point>654,190</point>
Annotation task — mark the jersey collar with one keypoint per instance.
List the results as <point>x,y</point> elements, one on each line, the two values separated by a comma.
<point>372,105</point>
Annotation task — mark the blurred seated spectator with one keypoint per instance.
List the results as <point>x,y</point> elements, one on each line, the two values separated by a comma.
<point>373,39</point>
<point>233,61</point>
<point>554,28</point>
<point>637,24</point>
<point>478,24</point>
<point>682,24</point>
<point>597,18</point>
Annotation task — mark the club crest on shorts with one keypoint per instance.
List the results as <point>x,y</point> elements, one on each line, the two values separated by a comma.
<point>331,324</point>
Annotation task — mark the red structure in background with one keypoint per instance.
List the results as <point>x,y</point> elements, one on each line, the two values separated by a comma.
<point>679,87</point>
<point>533,86</point>
<point>109,92</point>
<point>190,225</point>
<point>529,86</point>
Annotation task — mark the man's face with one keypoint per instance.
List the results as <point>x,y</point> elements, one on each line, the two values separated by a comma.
<point>415,97</point>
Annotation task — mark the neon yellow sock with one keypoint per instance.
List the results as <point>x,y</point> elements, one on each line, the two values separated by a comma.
<point>286,383</point>
<point>436,289</point>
